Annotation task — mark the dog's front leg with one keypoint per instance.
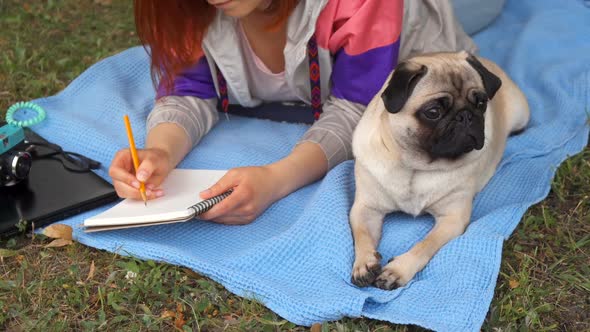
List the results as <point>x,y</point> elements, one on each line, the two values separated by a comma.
<point>366,224</point>
<point>401,269</point>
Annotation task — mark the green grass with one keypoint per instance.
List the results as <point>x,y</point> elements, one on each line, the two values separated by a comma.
<point>544,282</point>
<point>46,44</point>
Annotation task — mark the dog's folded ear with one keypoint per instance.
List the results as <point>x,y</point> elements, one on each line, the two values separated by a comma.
<point>491,82</point>
<point>402,83</point>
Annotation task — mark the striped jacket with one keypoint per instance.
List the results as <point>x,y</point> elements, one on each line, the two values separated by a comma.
<point>359,44</point>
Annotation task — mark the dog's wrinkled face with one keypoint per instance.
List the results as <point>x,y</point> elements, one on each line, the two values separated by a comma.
<point>437,103</point>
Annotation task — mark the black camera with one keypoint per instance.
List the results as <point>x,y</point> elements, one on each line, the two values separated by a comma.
<point>15,162</point>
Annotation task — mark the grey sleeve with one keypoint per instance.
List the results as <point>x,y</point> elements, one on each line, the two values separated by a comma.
<point>194,115</point>
<point>333,130</point>
<point>431,26</point>
<point>428,26</point>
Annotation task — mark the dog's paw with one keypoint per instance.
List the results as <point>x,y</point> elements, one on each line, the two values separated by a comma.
<point>397,273</point>
<point>366,269</point>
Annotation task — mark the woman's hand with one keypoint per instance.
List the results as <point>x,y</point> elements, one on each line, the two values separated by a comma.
<point>154,166</point>
<point>255,188</point>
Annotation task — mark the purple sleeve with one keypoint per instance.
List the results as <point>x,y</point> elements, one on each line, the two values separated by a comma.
<point>358,78</point>
<point>196,81</point>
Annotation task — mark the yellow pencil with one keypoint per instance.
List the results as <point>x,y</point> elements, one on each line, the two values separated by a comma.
<point>134,157</point>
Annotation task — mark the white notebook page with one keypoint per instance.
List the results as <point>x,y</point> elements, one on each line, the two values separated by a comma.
<point>181,190</point>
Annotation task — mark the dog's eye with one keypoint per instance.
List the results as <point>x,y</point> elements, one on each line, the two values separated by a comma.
<point>480,100</point>
<point>481,104</point>
<point>432,114</point>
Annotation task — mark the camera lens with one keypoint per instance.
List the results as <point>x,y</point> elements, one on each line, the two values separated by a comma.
<point>21,164</point>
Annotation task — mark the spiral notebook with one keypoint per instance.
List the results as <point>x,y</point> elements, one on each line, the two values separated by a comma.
<point>180,203</point>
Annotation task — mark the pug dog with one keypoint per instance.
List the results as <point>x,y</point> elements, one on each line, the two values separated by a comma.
<point>427,143</point>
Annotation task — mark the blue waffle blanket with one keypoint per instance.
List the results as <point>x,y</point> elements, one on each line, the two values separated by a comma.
<point>297,257</point>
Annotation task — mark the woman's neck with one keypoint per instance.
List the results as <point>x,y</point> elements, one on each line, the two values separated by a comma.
<point>267,44</point>
<point>258,21</point>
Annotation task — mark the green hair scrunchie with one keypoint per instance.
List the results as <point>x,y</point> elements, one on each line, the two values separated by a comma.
<point>21,106</point>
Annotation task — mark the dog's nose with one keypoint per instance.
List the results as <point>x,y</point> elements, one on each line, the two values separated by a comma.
<point>464,116</point>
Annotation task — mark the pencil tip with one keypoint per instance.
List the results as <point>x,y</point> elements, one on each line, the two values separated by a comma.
<point>144,198</point>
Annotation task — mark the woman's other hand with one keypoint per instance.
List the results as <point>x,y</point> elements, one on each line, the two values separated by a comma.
<point>255,188</point>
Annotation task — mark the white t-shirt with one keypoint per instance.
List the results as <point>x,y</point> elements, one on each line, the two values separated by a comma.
<point>264,84</point>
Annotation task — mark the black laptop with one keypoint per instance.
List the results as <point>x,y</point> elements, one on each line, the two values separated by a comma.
<point>50,193</point>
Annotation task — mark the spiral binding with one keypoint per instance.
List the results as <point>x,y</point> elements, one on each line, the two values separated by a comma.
<point>207,204</point>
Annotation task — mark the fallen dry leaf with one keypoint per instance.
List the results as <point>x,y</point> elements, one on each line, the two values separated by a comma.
<point>230,319</point>
<point>513,283</point>
<point>167,314</point>
<point>191,273</point>
<point>178,316</point>
<point>58,231</point>
<point>317,327</point>
<point>179,321</point>
<point>91,272</point>
<point>58,243</point>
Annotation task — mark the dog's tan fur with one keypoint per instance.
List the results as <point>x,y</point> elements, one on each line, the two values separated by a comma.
<point>392,175</point>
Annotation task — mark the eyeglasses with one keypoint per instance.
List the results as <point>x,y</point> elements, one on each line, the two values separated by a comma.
<point>71,161</point>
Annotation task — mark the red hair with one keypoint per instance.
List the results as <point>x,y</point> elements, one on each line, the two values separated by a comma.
<point>174,31</point>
